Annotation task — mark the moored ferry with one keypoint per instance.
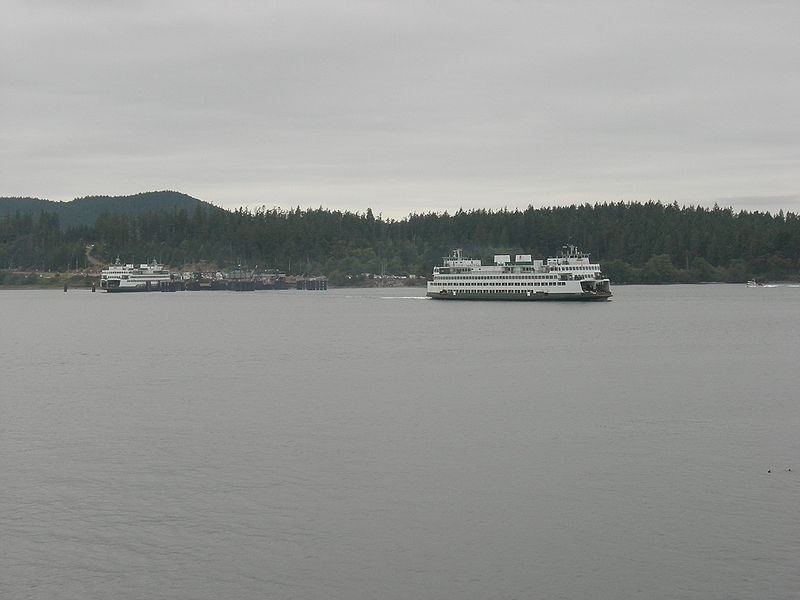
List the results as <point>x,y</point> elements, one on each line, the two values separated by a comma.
<point>130,278</point>
<point>568,276</point>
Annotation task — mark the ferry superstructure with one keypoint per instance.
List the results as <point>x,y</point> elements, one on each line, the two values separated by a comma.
<point>568,276</point>
<point>130,278</point>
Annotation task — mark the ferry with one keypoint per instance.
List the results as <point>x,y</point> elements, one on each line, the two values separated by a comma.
<point>568,276</point>
<point>130,278</point>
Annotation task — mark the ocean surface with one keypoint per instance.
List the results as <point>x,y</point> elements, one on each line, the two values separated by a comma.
<point>372,444</point>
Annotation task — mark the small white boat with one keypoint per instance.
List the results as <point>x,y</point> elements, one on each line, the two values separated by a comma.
<point>754,283</point>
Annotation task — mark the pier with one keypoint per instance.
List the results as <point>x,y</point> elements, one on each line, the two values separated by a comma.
<point>154,277</point>
<point>312,283</point>
<point>170,286</point>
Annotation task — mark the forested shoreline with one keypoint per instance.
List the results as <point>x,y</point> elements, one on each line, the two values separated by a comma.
<point>635,242</point>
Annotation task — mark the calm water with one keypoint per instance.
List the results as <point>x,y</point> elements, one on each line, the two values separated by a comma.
<point>373,444</point>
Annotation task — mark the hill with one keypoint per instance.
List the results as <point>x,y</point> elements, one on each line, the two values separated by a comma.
<point>84,211</point>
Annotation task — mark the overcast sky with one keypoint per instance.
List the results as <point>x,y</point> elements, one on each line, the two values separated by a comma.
<point>404,106</point>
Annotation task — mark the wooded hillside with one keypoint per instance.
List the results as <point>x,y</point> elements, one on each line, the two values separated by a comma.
<point>84,211</point>
<point>635,242</point>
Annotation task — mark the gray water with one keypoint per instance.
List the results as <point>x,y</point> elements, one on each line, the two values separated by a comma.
<point>360,444</point>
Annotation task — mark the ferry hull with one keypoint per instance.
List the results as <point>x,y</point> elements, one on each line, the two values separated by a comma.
<point>150,286</point>
<point>138,289</point>
<point>533,297</point>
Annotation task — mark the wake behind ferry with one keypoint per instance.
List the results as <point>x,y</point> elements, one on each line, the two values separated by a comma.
<point>568,276</point>
<point>130,278</point>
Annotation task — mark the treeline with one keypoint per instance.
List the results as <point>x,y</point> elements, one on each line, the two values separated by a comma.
<point>635,242</point>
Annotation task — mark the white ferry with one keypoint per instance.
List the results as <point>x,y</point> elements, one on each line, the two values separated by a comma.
<point>130,278</point>
<point>568,276</point>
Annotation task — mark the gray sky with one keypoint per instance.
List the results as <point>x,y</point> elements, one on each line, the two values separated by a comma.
<point>403,106</point>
